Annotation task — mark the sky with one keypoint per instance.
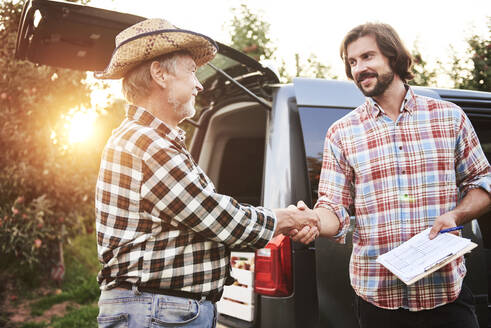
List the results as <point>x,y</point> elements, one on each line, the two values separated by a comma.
<point>318,26</point>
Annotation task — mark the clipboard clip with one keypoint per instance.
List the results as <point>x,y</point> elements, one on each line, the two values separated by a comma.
<point>443,259</point>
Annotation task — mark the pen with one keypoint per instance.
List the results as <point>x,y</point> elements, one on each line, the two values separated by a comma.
<point>452,229</point>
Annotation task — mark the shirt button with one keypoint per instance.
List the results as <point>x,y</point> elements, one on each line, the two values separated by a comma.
<point>400,147</point>
<point>403,171</point>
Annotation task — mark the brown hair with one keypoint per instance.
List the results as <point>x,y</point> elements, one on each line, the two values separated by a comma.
<point>389,43</point>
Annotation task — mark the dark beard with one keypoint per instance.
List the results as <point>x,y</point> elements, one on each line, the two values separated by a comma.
<point>383,82</point>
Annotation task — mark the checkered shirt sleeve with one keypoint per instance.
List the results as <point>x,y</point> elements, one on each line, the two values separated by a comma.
<point>160,222</point>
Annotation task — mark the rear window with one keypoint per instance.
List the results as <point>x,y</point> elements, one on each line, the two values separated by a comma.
<point>241,170</point>
<point>315,122</point>
<point>220,61</point>
<point>481,126</point>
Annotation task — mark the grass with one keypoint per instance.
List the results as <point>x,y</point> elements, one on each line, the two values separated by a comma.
<point>80,283</point>
<point>79,286</point>
<point>84,317</point>
<point>87,292</point>
<point>34,325</point>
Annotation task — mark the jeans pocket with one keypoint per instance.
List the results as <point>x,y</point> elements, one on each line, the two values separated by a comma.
<point>175,311</point>
<point>113,321</point>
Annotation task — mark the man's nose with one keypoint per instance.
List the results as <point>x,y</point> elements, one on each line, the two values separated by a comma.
<point>198,85</point>
<point>357,68</point>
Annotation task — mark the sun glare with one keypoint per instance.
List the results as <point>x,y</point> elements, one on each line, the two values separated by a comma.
<point>80,125</point>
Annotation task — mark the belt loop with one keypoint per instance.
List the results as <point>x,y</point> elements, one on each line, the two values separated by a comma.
<point>135,290</point>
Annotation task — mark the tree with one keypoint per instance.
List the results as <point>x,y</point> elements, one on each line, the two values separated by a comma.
<point>46,183</point>
<point>313,67</point>
<point>422,75</point>
<point>474,73</point>
<point>249,33</point>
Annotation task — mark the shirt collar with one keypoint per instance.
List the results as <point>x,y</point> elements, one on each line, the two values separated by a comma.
<point>408,103</point>
<point>145,118</point>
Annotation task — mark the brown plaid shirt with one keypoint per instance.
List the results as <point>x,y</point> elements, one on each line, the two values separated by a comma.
<point>160,222</point>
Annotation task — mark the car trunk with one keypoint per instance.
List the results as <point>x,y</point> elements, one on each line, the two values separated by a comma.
<point>229,137</point>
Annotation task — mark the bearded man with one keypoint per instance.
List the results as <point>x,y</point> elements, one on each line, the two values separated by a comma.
<point>399,163</point>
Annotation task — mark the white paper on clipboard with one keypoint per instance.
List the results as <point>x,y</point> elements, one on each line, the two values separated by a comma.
<point>420,256</point>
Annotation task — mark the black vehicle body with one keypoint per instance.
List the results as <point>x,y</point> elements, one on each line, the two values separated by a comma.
<point>274,142</point>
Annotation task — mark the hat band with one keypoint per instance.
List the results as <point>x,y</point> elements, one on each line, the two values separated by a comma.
<point>166,31</point>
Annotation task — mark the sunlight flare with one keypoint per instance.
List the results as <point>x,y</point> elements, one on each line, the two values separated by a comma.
<point>80,125</point>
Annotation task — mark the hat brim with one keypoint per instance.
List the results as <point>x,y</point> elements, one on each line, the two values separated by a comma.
<point>153,44</point>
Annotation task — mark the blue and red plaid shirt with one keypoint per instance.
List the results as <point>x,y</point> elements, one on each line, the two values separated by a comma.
<point>395,178</point>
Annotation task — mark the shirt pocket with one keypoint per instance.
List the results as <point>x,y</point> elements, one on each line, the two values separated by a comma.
<point>434,173</point>
<point>175,311</point>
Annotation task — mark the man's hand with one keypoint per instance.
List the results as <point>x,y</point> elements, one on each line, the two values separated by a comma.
<point>304,225</point>
<point>475,203</point>
<point>307,234</point>
<point>445,221</point>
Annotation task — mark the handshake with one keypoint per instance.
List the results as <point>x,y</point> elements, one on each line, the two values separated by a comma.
<point>299,222</point>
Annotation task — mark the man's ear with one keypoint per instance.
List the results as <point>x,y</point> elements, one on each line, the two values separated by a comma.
<point>159,76</point>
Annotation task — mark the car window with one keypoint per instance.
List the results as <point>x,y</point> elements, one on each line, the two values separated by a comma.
<point>315,123</point>
<point>220,61</point>
<point>241,170</point>
<point>481,125</point>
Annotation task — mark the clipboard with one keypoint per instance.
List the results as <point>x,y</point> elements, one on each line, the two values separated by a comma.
<point>440,264</point>
<point>419,256</point>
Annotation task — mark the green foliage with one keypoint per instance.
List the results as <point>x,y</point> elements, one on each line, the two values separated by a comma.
<point>80,283</point>
<point>34,325</point>
<point>311,67</point>
<point>30,235</point>
<point>473,73</point>
<point>81,261</point>
<point>422,75</point>
<point>86,293</point>
<point>249,33</point>
<point>84,317</point>
<point>54,178</point>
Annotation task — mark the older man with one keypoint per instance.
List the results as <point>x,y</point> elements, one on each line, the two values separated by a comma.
<point>163,232</point>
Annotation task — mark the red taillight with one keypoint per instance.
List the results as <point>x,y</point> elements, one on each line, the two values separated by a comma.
<point>273,268</point>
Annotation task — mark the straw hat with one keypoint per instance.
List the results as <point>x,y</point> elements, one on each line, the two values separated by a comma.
<point>152,38</point>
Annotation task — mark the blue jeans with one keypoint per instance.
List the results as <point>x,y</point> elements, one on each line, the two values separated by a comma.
<point>134,309</point>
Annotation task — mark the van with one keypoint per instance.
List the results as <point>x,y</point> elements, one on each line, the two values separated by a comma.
<point>261,142</point>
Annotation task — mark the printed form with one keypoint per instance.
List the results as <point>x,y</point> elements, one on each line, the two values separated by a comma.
<point>420,254</point>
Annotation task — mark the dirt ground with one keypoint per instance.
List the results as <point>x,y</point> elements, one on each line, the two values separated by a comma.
<point>17,311</point>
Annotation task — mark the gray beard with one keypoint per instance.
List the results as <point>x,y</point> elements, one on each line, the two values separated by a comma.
<point>184,111</point>
<point>383,82</point>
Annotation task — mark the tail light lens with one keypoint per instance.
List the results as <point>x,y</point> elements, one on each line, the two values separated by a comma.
<point>273,268</point>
